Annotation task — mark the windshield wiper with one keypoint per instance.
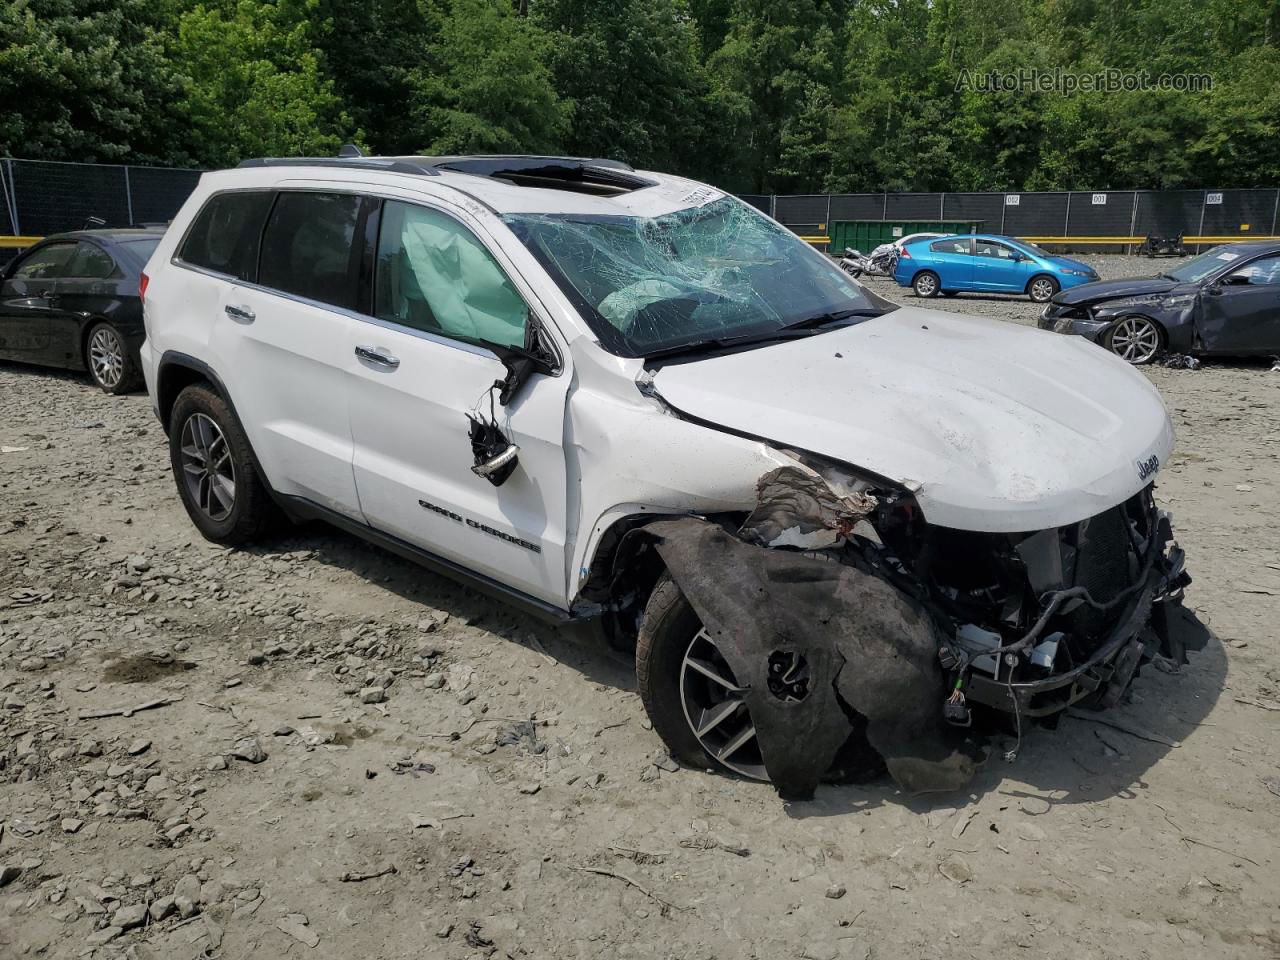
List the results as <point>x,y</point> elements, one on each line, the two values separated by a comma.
<point>831,316</point>
<point>788,331</point>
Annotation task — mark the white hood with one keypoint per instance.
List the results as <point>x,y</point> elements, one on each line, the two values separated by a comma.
<point>996,426</point>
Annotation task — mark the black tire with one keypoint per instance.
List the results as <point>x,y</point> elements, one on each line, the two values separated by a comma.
<point>666,628</point>
<point>251,513</point>
<point>1042,287</point>
<point>110,364</point>
<point>926,284</point>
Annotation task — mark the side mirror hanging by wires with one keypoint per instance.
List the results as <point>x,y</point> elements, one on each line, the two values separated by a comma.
<point>495,456</point>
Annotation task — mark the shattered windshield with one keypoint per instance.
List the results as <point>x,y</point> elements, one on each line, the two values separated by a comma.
<point>1197,268</point>
<point>652,284</point>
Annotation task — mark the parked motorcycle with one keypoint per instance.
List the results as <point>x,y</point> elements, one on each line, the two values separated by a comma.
<point>853,262</point>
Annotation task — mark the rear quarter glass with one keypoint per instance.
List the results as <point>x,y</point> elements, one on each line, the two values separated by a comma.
<point>225,235</point>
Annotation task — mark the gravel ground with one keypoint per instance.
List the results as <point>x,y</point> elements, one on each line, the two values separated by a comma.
<point>320,750</point>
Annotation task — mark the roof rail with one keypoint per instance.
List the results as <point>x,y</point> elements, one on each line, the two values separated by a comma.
<point>484,165</point>
<point>421,166</point>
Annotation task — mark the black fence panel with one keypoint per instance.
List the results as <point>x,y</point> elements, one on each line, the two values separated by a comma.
<point>857,206</point>
<point>985,208</point>
<point>914,206</point>
<point>1239,211</point>
<point>1100,214</point>
<point>53,197</point>
<point>8,224</point>
<point>1169,213</point>
<point>1035,215</point>
<point>761,201</point>
<point>801,209</point>
<point>158,193</point>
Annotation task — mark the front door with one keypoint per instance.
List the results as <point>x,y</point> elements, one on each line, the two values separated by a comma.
<point>422,364</point>
<point>997,267</point>
<point>29,304</point>
<point>1241,312</point>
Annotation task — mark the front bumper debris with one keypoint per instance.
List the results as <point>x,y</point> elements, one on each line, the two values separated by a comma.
<point>893,656</point>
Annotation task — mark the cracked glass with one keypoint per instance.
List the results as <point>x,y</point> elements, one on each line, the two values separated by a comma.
<point>649,284</point>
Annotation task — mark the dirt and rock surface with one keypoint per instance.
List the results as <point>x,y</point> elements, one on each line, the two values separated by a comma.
<point>312,748</point>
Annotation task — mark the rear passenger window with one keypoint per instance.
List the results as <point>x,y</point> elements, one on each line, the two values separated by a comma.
<point>950,246</point>
<point>434,275</point>
<point>90,263</point>
<point>307,249</point>
<point>224,237</point>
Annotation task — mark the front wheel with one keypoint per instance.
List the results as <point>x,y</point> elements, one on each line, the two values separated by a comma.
<point>215,473</point>
<point>698,707</point>
<point>1135,339</point>
<point>109,362</point>
<point>1041,289</point>
<point>691,695</point>
<point>926,284</point>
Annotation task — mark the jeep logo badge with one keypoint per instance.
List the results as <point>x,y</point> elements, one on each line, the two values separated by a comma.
<point>1148,467</point>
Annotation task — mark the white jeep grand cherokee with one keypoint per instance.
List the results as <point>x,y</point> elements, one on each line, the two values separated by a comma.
<point>834,531</point>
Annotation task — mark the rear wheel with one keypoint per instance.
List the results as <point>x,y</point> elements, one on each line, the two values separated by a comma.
<point>1041,289</point>
<point>108,360</point>
<point>926,284</point>
<point>215,473</point>
<point>1135,339</point>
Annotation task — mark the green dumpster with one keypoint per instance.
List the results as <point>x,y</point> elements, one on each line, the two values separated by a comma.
<point>866,235</point>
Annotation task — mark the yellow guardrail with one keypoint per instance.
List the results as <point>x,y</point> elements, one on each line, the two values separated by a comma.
<point>1186,241</point>
<point>816,240</point>
<point>19,241</point>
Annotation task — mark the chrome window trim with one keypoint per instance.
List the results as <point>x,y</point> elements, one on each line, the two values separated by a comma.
<point>526,291</point>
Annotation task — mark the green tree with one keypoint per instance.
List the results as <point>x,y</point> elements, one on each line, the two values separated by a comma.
<point>486,86</point>
<point>84,80</point>
<point>632,70</point>
<point>252,85</point>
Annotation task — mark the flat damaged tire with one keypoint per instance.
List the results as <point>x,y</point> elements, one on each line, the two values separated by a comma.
<point>697,707</point>
<point>684,688</point>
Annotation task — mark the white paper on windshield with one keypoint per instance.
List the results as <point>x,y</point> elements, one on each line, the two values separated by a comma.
<point>1228,256</point>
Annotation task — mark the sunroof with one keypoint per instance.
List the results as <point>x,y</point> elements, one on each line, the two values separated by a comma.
<point>598,177</point>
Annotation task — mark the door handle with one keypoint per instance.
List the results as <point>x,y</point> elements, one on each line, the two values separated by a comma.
<point>379,356</point>
<point>242,314</point>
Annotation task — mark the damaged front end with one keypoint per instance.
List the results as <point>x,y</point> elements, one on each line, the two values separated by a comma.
<point>846,618</point>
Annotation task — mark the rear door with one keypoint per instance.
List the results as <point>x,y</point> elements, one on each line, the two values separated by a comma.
<point>997,267</point>
<point>442,300</point>
<point>28,302</point>
<point>87,289</point>
<point>283,340</point>
<point>1241,311</point>
<point>952,260</point>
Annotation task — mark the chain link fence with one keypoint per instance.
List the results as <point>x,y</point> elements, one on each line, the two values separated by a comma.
<point>40,197</point>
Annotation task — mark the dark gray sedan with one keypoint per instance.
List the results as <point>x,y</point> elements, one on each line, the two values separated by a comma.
<point>1225,302</point>
<point>72,301</point>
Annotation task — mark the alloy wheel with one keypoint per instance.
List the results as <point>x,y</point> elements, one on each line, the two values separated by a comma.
<point>1135,339</point>
<point>207,467</point>
<point>106,357</point>
<point>926,285</point>
<point>715,709</point>
<point>1042,290</point>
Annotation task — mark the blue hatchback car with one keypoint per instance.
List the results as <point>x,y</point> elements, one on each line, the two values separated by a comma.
<point>987,264</point>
